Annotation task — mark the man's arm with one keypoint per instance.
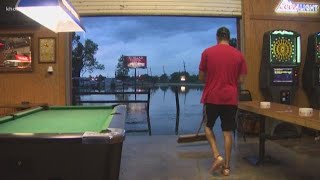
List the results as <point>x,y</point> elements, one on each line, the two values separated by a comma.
<point>202,76</point>
<point>243,71</point>
<point>242,78</point>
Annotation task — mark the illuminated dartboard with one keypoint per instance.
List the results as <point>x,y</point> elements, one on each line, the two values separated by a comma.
<point>282,49</point>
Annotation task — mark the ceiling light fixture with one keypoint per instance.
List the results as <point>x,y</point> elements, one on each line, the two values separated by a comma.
<point>56,15</point>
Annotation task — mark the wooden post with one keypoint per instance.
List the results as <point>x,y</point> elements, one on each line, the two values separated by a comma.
<point>178,111</point>
<point>148,112</point>
<point>122,90</point>
<point>135,83</point>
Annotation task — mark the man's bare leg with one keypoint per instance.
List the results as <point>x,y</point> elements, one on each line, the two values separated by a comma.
<point>227,147</point>
<point>218,160</point>
<point>212,141</point>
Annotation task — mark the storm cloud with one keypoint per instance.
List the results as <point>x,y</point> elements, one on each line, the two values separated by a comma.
<point>166,41</point>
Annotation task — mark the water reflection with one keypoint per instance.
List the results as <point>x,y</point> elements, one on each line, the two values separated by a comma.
<point>162,108</point>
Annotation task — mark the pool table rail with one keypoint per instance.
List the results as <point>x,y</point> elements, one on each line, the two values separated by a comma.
<point>115,133</point>
<point>113,136</point>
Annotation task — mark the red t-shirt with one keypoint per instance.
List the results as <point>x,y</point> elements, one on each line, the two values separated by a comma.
<point>222,65</point>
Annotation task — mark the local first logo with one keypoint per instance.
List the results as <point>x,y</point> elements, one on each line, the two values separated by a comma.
<point>286,6</point>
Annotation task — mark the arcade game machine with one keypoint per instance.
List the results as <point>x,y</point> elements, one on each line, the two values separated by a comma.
<point>311,71</point>
<point>311,76</point>
<point>280,63</point>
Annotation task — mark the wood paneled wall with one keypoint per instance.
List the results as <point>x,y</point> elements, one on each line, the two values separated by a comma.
<point>39,86</point>
<point>259,17</point>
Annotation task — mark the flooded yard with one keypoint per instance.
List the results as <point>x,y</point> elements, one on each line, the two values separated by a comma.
<point>163,109</point>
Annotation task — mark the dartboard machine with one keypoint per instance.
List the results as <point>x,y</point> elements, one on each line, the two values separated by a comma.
<point>280,63</point>
<point>279,67</point>
<point>311,71</point>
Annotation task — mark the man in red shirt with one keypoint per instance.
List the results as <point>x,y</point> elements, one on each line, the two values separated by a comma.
<point>222,68</point>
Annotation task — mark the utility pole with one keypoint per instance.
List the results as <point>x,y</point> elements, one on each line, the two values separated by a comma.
<point>151,79</point>
<point>163,70</point>
<point>135,83</point>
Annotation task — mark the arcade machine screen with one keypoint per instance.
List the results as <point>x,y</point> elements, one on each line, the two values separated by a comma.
<point>284,48</point>
<point>283,75</point>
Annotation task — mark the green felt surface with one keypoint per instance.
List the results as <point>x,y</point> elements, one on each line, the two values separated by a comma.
<point>60,120</point>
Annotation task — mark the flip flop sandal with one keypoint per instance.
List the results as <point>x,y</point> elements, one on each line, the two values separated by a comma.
<point>225,171</point>
<point>217,163</point>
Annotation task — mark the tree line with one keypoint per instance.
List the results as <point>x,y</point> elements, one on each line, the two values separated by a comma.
<point>83,60</point>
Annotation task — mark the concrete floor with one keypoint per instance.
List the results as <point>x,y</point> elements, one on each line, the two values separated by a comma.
<point>160,157</point>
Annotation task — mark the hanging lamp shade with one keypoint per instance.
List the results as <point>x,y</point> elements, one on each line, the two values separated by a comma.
<point>56,15</point>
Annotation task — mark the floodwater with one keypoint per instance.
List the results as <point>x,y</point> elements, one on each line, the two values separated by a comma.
<point>163,109</point>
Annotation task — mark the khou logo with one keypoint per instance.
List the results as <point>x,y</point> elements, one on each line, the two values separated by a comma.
<point>286,6</point>
<point>10,9</point>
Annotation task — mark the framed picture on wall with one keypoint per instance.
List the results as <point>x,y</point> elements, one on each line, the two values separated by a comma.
<point>47,50</point>
<point>16,52</point>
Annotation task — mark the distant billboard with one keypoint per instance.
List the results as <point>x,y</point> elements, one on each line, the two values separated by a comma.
<point>136,61</point>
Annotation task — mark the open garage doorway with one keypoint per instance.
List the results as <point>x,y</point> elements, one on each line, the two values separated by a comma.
<point>172,47</point>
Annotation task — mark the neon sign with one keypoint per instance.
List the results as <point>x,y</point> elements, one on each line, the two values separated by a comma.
<point>286,6</point>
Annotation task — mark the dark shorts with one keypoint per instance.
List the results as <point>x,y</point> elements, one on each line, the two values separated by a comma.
<point>227,114</point>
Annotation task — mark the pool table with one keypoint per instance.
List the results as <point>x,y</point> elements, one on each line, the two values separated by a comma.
<point>62,142</point>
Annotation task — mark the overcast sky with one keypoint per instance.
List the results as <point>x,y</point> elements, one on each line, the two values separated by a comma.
<point>166,41</point>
